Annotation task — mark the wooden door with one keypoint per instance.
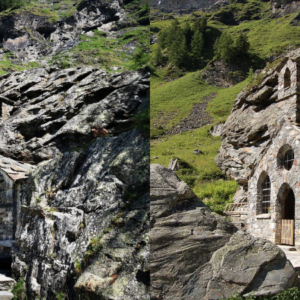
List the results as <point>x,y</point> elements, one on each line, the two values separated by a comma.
<point>287,232</point>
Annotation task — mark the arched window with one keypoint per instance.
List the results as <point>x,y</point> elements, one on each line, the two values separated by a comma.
<point>285,157</point>
<point>287,78</point>
<point>288,159</point>
<point>266,195</point>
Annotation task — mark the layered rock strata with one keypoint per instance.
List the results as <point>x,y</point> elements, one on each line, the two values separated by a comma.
<point>83,224</point>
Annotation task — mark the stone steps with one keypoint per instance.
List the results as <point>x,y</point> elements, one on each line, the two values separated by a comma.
<point>6,295</point>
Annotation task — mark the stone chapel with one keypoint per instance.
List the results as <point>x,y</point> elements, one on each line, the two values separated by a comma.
<point>271,208</point>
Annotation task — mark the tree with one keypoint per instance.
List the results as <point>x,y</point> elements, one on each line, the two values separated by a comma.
<point>165,37</point>
<point>188,33</point>
<point>13,4</point>
<point>200,25</point>
<point>178,50</point>
<point>242,45</point>
<point>158,58</point>
<point>197,46</point>
<point>224,48</point>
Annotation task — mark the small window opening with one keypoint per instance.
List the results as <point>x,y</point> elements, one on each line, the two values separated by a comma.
<point>266,195</point>
<point>289,159</point>
<point>287,78</point>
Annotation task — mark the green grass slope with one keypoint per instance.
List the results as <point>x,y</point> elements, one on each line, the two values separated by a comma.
<point>175,91</point>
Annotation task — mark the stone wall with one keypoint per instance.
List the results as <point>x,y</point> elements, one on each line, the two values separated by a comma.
<point>269,225</point>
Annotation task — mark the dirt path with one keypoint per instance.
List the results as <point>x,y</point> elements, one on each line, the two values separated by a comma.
<point>197,118</point>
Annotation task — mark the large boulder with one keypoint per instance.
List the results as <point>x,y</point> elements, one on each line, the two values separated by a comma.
<point>198,254</point>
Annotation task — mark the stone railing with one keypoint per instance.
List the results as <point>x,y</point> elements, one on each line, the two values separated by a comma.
<point>235,208</point>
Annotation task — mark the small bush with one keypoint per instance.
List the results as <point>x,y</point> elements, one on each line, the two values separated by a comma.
<point>142,121</point>
<point>78,267</point>
<point>18,290</point>
<point>60,296</point>
<point>140,57</point>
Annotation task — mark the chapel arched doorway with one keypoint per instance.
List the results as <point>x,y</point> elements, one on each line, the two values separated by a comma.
<point>287,203</point>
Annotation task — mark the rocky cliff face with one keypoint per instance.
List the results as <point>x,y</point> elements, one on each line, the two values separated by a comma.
<point>34,34</point>
<point>284,7</point>
<point>84,219</point>
<point>49,111</point>
<point>197,254</point>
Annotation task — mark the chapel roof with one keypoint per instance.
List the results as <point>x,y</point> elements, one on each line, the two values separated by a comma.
<point>14,169</point>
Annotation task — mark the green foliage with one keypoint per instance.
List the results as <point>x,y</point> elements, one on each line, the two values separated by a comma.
<point>224,47</point>
<point>60,296</point>
<point>219,108</point>
<point>78,267</point>
<point>142,121</point>
<point>290,294</point>
<point>140,57</point>
<point>242,44</point>
<point>156,132</point>
<point>200,25</point>
<point>197,46</point>
<point>52,210</point>
<point>173,101</point>
<point>158,58</point>
<point>216,194</point>
<point>95,246</point>
<point>10,4</point>
<point>39,200</point>
<point>19,289</point>
<point>188,33</point>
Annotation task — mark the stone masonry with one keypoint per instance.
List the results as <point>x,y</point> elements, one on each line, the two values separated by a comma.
<point>264,126</point>
<point>13,176</point>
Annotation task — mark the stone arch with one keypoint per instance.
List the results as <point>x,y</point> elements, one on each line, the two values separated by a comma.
<point>284,208</point>
<point>287,78</point>
<point>263,196</point>
<point>282,153</point>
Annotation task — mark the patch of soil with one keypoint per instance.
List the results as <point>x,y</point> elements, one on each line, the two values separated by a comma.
<point>198,117</point>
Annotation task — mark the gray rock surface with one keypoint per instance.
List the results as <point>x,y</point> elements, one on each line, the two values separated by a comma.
<point>83,226</point>
<point>6,296</point>
<point>284,7</point>
<point>197,254</point>
<point>224,74</point>
<point>71,199</point>
<point>6,283</point>
<point>52,110</point>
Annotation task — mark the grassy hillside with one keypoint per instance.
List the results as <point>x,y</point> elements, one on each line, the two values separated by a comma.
<point>104,52</point>
<point>174,91</point>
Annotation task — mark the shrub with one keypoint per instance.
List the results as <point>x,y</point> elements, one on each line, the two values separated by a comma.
<point>18,290</point>
<point>224,48</point>
<point>12,4</point>
<point>60,296</point>
<point>142,121</point>
<point>140,57</point>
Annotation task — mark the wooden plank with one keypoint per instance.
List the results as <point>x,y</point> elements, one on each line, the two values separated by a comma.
<point>287,232</point>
